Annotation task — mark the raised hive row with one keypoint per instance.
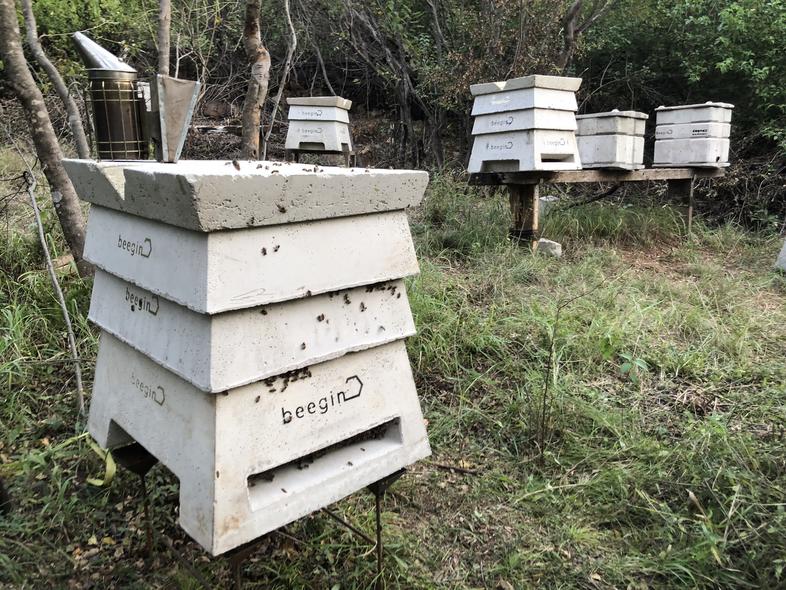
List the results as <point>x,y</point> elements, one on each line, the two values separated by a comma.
<point>253,326</point>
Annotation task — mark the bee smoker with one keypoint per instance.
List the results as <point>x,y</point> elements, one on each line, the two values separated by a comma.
<point>129,114</point>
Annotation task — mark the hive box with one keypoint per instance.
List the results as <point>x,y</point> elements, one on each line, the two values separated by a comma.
<point>222,271</point>
<point>212,195</point>
<point>217,353</point>
<point>266,454</point>
<point>693,135</point>
<point>319,124</point>
<point>613,139</point>
<point>525,124</point>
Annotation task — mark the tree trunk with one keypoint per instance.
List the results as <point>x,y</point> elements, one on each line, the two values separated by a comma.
<point>48,150</point>
<point>74,117</point>
<point>164,26</point>
<point>259,60</point>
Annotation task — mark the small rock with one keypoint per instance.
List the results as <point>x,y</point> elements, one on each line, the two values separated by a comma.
<point>550,248</point>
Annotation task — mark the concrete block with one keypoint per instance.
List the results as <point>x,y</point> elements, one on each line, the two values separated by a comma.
<point>617,122</point>
<point>533,81</point>
<point>320,101</point>
<point>318,135</point>
<point>781,262</point>
<point>268,453</point>
<point>220,352</point>
<point>625,152</point>
<point>709,112</point>
<point>212,195</point>
<point>522,120</point>
<point>699,152</point>
<point>223,271</point>
<point>526,98</point>
<point>537,149</point>
<point>549,248</point>
<point>690,130</point>
<point>318,114</point>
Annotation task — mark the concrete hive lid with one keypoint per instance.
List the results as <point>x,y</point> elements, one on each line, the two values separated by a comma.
<point>709,103</point>
<point>320,101</point>
<point>534,81</point>
<point>615,113</point>
<point>211,195</point>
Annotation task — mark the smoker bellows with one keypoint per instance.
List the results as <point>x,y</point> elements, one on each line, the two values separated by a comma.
<point>240,357</point>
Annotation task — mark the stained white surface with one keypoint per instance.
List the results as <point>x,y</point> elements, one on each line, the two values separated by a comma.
<point>217,353</point>
<point>320,101</point>
<point>701,152</point>
<point>533,81</point>
<point>213,195</point>
<point>317,113</point>
<point>227,270</point>
<point>325,135</point>
<point>690,130</point>
<point>617,122</point>
<point>522,120</point>
<point>525,98</point>
<point>625,152</point>
<point>215,444</point>
<point>712,112</point>
<point>514,151</point>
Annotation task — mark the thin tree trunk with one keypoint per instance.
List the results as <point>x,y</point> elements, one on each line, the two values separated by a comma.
<point>259,60</point>
<point>292,45</point>
<point>48,150</point>
<point>74,117</point>
<point>164,26</point>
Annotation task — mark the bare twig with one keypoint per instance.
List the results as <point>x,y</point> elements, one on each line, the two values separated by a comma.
<point>291,46</point>
<point>31,185</point>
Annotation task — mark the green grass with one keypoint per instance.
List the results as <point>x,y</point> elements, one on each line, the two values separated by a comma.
<point>664,455</point>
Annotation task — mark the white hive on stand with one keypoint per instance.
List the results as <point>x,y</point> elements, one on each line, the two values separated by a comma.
<point>319,123</point>
<point>693,135</point>
<point>614,139</point>
<point>525,124</point>
<point>239,357</point>
<point>780,263</point>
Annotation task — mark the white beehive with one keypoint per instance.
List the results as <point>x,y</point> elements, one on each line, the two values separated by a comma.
<point>525,124</point>
<point>239,357</point>
<point>613,139</point>
<point>781,262</point>
<point>693,135</point>
<point>319,123</point>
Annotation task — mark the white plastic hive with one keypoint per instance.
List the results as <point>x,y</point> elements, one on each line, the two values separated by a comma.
<point>693,135</point>
<point>319,124</point>
<point>614,139</point>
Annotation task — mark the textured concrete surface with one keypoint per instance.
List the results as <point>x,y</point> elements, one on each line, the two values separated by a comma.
<point>318,135</point>
<point>320,101</point>
<point>222,271</point>
<point>526,98</point>
<point>713,112</point>
<point>213,195</point>
<point>537,149</point>
<point>534,81</point>
<point>522,120</point>
<point>217,353</point>
<point>709,152</point>
<point>239,456</point>
<point>625,152</point>
<point>618,122</point>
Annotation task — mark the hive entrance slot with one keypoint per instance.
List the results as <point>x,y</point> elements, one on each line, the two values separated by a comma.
<point>556,158</point>
<point>311,145</point>
<point>328,463</point>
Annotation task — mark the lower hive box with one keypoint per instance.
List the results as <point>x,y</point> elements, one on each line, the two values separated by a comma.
<point>219,352</point>
<point>260,456</point>
<point>235,269</point>
<point>330,136</point>
<point>533,149</point>
<point>702,152</point>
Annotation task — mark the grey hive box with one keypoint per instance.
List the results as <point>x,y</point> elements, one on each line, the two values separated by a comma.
<point>253,321</point>
<point>614,139</point>
<point>693,135</point>
<point>523,124</point>
<point>319,123</point>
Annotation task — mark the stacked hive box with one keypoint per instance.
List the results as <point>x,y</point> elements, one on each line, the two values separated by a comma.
<point>693,135</point>
<point>611,140</point>
<point>525,124</point>
<point>253,327</point>
<point>319,123</point>
<point>781,262</point>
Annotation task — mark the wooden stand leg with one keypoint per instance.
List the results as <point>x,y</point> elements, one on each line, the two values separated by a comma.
<point>682,191</point>
<point>524,208</point>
